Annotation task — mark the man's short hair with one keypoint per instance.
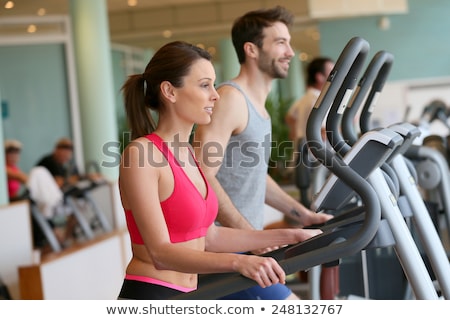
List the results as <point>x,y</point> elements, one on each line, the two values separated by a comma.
<point>64,143</point>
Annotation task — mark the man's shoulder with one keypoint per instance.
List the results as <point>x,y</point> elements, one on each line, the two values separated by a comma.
<point>230,95</point>
<point>309,97</point>
<point>45,160</point>
<point>297,103</point>
<point>228,116</point>
<point>228,88</point>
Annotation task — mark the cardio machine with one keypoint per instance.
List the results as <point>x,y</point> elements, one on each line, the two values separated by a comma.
<point>414,206</point>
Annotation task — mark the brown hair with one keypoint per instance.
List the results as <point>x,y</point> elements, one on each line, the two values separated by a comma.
<point>317,65</point>
<point>64,143</point>
<point>141,92</point>
<point>249,27</point>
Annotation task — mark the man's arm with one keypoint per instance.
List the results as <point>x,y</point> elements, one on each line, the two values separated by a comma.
<point>48,163</point>
<point>228,215</point>
<point>279,199</point>
<point>210,142</point>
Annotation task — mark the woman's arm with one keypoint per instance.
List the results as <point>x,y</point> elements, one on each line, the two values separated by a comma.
<point>16,175</point>
<point>239,240</point>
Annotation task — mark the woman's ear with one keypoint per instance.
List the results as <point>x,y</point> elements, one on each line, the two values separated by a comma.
<point>168,91</point>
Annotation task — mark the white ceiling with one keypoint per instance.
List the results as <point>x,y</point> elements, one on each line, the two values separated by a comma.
<point>206,21</point>
<point>196,21</point>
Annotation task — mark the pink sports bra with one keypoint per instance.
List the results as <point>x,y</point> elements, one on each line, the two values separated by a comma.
<point>188,215</point>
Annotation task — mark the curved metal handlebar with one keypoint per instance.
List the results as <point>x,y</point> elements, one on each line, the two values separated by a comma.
<point>386,60</point>
<point>341,81</point>
<point>374,78</point>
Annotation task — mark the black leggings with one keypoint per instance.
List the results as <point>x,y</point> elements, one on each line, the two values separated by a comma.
<point>138,290</point>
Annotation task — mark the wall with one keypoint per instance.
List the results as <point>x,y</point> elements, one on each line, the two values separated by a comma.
<point>16,244</point>
<point>33,84</point>
<point>404,100</point>
<point>419,42</point>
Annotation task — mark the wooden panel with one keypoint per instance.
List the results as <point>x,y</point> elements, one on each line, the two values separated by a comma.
<point>30,283</point>
<point>352,8</point>
<point>152,18</point>
<point>196,15</point>
<point>93,270</point>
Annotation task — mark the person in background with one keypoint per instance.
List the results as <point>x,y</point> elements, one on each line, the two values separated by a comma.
<point>317,73</point>
<point>169,206</point>
<point>234,147</point>
<point>60,163</point>
<point>17,178</point>
<point>37,187</point>
<point>297,116</point>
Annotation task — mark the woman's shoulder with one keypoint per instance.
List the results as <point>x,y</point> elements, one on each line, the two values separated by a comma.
<point>143,150</point>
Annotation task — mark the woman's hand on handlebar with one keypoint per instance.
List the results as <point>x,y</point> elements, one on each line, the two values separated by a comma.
<point>264,270</point>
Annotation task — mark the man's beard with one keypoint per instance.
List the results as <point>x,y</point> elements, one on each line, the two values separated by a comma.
<point>270,67</point>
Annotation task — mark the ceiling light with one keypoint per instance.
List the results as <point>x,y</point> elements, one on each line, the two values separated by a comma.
<point>41,12</point>
<point>167,34</point>
<point>31,28</point>
<point>9,5</point>
<point>303,56</point>
<point>212,51</point>
<point>132,3</point>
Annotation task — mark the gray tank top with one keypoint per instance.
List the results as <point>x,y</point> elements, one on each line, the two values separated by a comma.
<point>244,169</point>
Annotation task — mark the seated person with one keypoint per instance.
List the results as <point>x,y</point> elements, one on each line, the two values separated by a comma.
<point>17,179</point>
<point>62,167</point>
<point>60,163</point>
<point>38,185</point>
<point>47,197</point>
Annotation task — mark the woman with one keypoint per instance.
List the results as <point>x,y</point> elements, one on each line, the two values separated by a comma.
<point>17,179</point>
<point>169,206</point>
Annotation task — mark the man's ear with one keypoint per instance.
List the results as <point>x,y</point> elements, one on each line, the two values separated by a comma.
<point>250,49</point>
<point>168,91</point>
<point>320,78</point>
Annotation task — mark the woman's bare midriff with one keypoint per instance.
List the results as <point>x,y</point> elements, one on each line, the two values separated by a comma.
<point>142,265</point>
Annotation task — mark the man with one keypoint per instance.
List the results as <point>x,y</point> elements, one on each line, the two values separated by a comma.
<point>60,163</point>
<point>234,148</point>
<point>297,116</point>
